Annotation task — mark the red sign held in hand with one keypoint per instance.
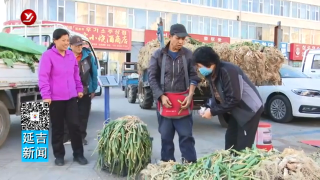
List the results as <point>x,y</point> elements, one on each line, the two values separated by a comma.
<point>28,17</point>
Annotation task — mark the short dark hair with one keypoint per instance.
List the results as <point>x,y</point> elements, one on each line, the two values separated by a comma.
<point>206,56</point>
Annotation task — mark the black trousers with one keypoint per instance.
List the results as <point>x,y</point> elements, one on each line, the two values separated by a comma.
<point>167,129</point>
<point>84,106</point>
<point>240,138</point>
<point>61,111</point>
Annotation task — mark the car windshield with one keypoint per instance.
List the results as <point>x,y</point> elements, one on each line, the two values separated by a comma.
<point>290,72</point>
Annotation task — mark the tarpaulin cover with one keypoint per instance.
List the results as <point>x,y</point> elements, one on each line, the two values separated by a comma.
<point>19,43</point>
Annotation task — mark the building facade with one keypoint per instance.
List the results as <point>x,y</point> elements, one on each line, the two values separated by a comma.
<point>241,20</point>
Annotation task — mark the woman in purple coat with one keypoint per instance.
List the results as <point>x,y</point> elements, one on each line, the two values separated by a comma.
<point>60,86</point>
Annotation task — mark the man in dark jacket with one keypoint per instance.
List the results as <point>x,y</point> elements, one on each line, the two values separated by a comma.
<point>89,79</point>
<point>174,81</point>
<point>236,97</point>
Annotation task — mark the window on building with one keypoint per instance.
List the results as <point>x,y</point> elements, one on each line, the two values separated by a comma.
<point>214,27</point>
<point>225,25</point>
<point>235,27</point>
<point>52,7</point>
<point>244,6</point>
<point>208,2</point>
<point>92,14</point>
<point>260,6</point>
<point>120,17</point>
<point>189,23</point>
<point>266,6</point>
<point>250,6</point>
<point>276,5</point>
<point>220,27</point>
<point>312,12</point>
<point>306,36</point>
<point>252,31</point>
<point>140,18</point>
<point>101,15</point>
<point>153,17</point>
<point>206,25</point>
<point>244,30</point>
<point>201,25</point>
<point>303,12</point>
<point>220,3</point>
<point>26,4</point>
<point>308,12</point>
<point>226,4</point>
<point>171,18</point>
<point>298,10</point>
<point>235,5</point>
<point>214,3</point>
<point>71,12</point>
<point>295,37</point>
<point>82,13</point>
<point>281,8</point>
<point>130,18</point>
<point>317,14</point>
<point>195,24</point>
<point>110,16</point>
<point>259,33</point>
<point>294,10</point>
<point>12,11</point>
<point>230,28</point>
<point>17,4</point>
<point>272,7</point>
<point>61,10</point>
<point>287,8</point>
<point>39,9</point>
<point>8,8</point>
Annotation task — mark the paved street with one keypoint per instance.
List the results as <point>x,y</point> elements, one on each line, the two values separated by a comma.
<point>209,137</point>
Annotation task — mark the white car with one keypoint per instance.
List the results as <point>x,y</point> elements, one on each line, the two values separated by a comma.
<point>298,96</point>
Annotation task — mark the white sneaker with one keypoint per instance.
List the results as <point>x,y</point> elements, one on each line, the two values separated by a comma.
<point>67,142</point>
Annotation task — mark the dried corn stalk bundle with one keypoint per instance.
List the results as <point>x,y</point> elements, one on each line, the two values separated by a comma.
<point>261,64</point>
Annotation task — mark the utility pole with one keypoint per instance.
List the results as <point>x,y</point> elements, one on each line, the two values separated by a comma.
<point>160,33</point>
<point>278,36</point>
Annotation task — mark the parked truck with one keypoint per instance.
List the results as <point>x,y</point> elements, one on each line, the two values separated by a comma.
<point>19,83</point>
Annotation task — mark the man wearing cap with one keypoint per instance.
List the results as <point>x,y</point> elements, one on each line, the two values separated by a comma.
<point>174,79</point>
<point>88,74</point>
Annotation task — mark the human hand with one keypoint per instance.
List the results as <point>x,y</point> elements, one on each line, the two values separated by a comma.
<point>207,114</point>
<point>165,101</point>
<point>186,102</point>
<point>80,94</point>
<point>92,95</point>
<point>47,100</point>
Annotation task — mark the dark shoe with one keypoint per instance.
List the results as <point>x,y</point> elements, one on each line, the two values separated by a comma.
<point>59,161</point>
<point>81,160</point>
<point>85,142</point>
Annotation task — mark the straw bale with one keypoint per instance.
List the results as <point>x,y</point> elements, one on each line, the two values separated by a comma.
<point>260,64</point>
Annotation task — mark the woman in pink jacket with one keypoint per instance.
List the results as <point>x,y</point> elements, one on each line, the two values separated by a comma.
<point>60,86</point>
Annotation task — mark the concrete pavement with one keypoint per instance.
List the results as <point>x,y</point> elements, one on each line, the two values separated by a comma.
<point>208,134</point>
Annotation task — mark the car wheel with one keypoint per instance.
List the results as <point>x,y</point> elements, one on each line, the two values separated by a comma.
<point>279,109</point>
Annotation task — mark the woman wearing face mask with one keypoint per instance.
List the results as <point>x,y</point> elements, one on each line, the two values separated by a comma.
<point>237,98</point>
<point>60,86</point>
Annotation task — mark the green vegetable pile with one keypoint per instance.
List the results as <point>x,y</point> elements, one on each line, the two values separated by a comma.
<point>124,146</point>
<point>249,164</point>
<point>10,57</point>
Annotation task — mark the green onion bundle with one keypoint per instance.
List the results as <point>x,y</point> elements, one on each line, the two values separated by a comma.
<point>124,146</point>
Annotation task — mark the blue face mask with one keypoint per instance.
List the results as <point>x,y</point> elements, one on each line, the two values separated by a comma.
<point>205,71</point>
